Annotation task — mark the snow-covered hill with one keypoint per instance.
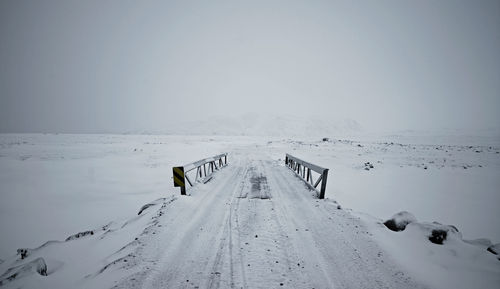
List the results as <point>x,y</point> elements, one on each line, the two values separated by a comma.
<point>265,125</point>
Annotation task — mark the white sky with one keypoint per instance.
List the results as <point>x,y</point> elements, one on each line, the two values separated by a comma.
<point>115,66</point>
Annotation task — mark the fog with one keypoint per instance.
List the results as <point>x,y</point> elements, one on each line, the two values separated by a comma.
<point>121,66</point>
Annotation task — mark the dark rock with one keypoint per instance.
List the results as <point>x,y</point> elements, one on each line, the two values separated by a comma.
<point>399,221</point>
<point>436,232</point>
<point>494,249</point>
<point>391,225</point>
<point>23,252</point>
<point>368,166</point>
<point>438,236</point>
<point>79,235</point>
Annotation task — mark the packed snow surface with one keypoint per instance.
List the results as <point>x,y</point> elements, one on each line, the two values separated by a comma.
<point>255,224</point>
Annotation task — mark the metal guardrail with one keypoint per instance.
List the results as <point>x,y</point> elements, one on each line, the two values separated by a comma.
<point>214,163</point>
<point>304,170</point>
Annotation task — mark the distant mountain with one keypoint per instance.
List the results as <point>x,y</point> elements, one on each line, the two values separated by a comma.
<point>264,125</point>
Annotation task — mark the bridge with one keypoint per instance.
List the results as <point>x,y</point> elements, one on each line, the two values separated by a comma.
<point>257,225</point>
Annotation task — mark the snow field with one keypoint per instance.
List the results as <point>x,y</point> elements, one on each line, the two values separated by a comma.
<point>255,224</point>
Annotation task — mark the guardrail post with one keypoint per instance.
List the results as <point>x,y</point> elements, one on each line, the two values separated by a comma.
<point>323,184</point>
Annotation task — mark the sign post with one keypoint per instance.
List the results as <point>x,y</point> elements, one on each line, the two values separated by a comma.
<point>179,181</point>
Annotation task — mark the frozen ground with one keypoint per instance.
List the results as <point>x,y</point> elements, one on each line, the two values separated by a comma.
<point>53,186</point>
<point>453,184</point>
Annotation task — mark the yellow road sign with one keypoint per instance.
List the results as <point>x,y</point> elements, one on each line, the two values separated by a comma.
<point>178,176</point>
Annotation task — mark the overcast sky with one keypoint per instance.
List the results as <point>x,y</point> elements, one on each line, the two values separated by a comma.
<point>115,66</point>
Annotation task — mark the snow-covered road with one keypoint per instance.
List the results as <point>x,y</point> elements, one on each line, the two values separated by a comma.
<point>256,225</point>
<point>70,203</point>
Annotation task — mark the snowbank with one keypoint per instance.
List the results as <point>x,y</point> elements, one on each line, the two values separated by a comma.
<point>437,254</point>
<point>399,221</point>
<point>82,259</point>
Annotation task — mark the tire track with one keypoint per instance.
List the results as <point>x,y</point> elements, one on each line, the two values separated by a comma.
<point>217,267</point>
<point>186,258</point>
<point>263,243</point>
<point>333,243</point>
<point>260,227</point>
